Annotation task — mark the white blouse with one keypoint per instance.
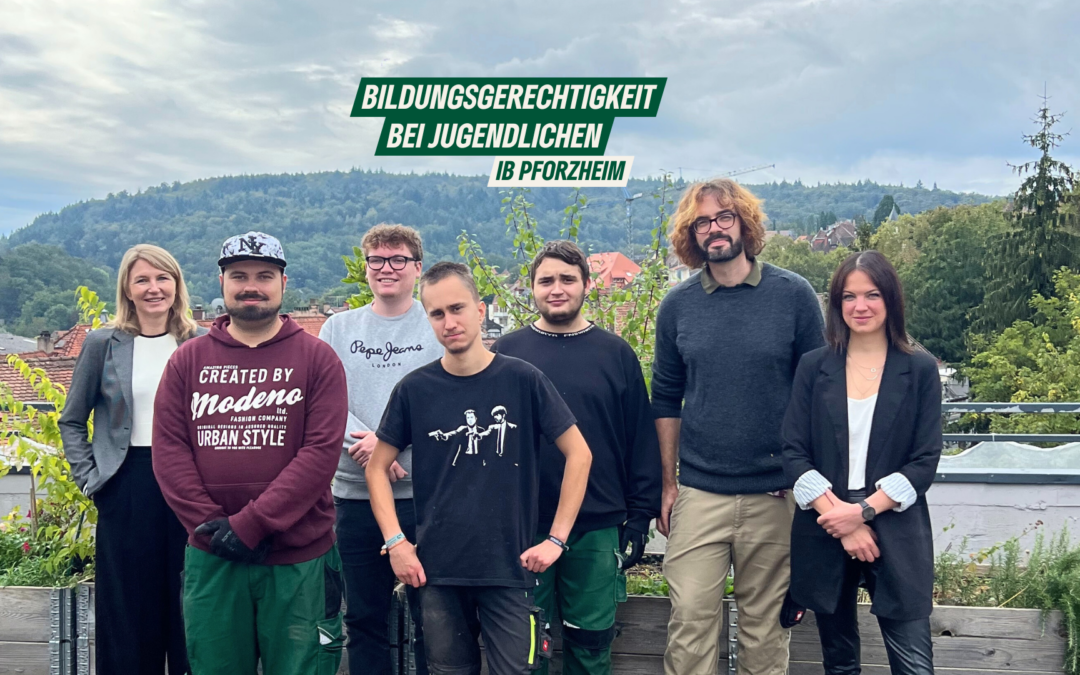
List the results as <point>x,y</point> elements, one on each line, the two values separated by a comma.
<point>147,366</point>
<point>860,413</point>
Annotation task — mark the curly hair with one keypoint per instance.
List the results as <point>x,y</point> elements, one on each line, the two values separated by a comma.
<point>730,195</point>
<point>386,234</point>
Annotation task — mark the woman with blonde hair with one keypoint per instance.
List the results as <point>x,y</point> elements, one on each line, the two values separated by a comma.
<point>140,542</point>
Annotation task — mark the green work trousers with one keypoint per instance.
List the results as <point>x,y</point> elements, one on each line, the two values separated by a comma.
<point>583,588</point>
<point>287,616</point>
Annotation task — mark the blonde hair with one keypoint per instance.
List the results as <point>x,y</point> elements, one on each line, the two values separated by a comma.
<point>181,326</point>
<point>730,195</point>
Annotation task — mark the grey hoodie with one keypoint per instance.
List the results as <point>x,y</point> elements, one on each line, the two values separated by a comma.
<point>377,352</point>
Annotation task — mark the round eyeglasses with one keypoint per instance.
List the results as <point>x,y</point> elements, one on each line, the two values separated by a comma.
<point>725,219</point>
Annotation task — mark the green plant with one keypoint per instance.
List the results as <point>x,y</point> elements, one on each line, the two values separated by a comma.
<point>48,544</point>
<point>1045,577</point>
<point>628,310</point>
<point>646,582</point>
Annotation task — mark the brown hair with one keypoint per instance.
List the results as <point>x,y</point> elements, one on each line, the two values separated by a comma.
<point>566,251</point>
<point>181,326</point>
<point>385,234</point>
<point>884,277</point>
<point>443,270</point>
<point>731,195</point>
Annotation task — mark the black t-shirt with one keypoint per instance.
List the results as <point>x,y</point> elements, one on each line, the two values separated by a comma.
<point>611,404</point>
<point>476,447</point>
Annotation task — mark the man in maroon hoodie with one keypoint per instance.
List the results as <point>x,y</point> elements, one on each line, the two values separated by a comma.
<point>248,423</point>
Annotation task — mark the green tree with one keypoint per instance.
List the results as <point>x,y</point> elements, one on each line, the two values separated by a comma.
<point>38,282</point>
<point>798,257</point>
<point>945,282</point>
<point>319,217</point>
<point>1023,261</point>
<point>884,208</point>
<point>901,240</point>
<point>863,237</point>
<point>1034,360</point>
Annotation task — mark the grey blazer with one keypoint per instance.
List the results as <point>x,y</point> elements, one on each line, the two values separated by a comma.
<point>101,383</point>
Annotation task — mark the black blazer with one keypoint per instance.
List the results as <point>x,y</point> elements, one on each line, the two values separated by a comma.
<point>905,437</point>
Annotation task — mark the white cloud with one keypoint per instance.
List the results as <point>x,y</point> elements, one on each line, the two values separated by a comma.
<point>121,94</point>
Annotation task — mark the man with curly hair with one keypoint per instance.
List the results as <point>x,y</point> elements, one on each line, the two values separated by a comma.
<point>728,340</point>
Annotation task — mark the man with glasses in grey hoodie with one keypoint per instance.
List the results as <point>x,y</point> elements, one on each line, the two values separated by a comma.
<point>378,344</point>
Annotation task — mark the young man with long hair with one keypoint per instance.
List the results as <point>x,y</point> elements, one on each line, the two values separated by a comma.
<point>728,340</point>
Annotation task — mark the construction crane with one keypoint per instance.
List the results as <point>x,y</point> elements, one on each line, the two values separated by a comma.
<point>729,174</point>
<point>739,172</point>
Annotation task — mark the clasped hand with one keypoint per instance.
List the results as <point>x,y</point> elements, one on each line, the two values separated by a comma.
<point>365,445</point>
<point>842,519</point>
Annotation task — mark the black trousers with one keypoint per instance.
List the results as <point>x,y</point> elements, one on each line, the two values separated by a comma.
<point>369,587</point>
<point>906,642</point>
<point>139,561</point>
<point>457,616</point>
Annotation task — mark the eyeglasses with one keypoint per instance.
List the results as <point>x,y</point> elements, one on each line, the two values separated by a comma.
<point>397,262</point>
<point>724,219</point>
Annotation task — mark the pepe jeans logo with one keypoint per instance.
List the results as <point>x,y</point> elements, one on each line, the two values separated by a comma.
<point>384,353</point>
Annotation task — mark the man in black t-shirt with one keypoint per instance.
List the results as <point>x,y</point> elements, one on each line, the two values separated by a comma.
<point>612,406</point>
<point>475,487</point>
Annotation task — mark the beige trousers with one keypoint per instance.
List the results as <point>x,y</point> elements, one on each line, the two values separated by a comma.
<point>709,532</point>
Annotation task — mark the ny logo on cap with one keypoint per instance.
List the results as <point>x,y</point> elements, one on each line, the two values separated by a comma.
<point>251,243</point>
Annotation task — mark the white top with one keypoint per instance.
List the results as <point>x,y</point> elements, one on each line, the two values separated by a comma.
<point>860,413</point>
<point>147,366</point>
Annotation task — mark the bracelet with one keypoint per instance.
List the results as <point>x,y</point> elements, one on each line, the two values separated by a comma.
<point>559,542</point>
<point>392,542</point>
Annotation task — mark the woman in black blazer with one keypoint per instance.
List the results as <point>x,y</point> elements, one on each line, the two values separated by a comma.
<point>140,543</point>
<point>862,439</point>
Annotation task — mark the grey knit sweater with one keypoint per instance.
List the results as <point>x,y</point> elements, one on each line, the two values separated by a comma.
<point>724,363</point>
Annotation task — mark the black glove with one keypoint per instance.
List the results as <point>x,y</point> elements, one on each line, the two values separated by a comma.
<point>636,541</point>
<point>225,543</point>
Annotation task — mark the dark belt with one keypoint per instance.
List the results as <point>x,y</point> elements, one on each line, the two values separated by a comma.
<point>856,496</point>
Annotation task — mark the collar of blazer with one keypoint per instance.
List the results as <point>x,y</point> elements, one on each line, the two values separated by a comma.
<point>894,387</point>
<point>123,351</point>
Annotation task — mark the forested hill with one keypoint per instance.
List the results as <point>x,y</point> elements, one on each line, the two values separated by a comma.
<point>320,216</point>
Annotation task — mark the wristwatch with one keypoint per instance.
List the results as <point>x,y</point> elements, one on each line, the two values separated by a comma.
<point>868,511</point>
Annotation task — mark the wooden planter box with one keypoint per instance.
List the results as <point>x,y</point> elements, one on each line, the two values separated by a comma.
<point>46,631</point>
<point>967,640</point>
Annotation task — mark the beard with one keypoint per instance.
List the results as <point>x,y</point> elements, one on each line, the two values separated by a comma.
<point>562,317</point>
<point>734,249</point>
<point>252,313</point>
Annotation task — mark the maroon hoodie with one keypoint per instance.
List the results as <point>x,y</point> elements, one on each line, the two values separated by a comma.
<point>253,434</point>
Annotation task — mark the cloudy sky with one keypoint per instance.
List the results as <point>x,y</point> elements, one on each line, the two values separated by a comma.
<point>110,95</point>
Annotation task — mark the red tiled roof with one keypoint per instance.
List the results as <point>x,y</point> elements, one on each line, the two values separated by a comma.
<point>612,268</point>
<point>69,343</point>
<point>57,368</point>
<point>311,323</point>
<point>59,365</point>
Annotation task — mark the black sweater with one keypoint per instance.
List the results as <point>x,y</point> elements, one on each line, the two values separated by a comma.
<point>600,378</point>
<point>724,363</point>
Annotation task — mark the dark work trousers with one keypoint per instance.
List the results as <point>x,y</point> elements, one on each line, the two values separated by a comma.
<point>139,561</point>
<point>906,642</point>
<point>369,587</point>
